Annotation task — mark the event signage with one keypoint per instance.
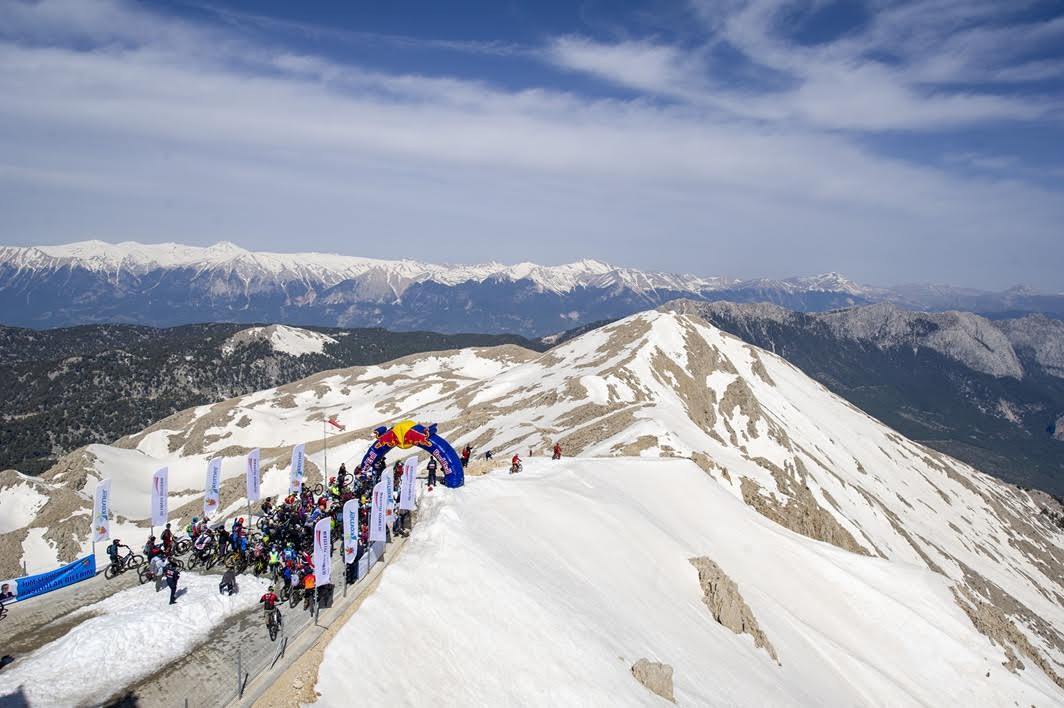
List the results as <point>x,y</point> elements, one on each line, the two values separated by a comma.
<point>350,514</point>
<point>254,481</point>
<point>407,485</point>
<point>322,566</point>
<point>212,487</point>
<point>295,481</point>
<point>389,490</point>
<point>160,487</point>
<point>33,585</point>
<point>101,511</point>
<point>376,513</point>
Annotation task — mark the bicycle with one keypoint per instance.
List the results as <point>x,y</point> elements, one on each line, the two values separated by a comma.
<point>295,595</point>
<point>3,611</point>
<point>273,623</point>
<point>236,562</point>
<point>182,547</point>
<point>514,469</point>
<point>129,561</point>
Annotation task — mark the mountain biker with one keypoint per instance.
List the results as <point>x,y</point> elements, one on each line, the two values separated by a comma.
<point>222,538</point>
<point>168,540</point>
<point>203,544</point>
<point>309,589</point>
<point>151,550</point>
<point>557,451</point>
<point>112,552</point>
<point>467,451</point>
<point>515,463</point>
<point>269,602</point>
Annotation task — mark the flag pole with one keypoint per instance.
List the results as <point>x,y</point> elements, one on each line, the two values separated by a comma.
<point>325,443</point>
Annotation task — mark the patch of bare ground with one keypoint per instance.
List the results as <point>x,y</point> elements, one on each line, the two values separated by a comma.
<point>800,511</point>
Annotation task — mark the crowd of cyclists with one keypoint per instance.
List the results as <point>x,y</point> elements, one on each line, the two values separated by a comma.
<point>277,544</point>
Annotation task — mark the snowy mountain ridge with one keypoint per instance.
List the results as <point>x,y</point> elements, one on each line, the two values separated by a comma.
<point>172,284</point>
<point>328,270</point>
<point>802,462</point>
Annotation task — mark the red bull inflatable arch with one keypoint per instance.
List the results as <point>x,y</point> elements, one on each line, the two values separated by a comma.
<point>408,434</point>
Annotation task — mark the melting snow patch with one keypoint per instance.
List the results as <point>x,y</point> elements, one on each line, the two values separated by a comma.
<point>133,633</point>
<point>18,505</point>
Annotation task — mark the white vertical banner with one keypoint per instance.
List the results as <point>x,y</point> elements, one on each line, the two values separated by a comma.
<point>101,511</point>
<point>254,481</point>
<point>376,513</point>
<point>389,490</point>
<point>160,487</point>
<point>322,566</point>
<point>212,487</point>
<point>408,485</point>
<point>350,514</point>
<point>295,479</point>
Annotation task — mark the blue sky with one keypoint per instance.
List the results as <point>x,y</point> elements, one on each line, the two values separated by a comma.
<point>891,141</point>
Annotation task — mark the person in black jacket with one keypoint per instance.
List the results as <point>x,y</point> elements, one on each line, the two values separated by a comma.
<point>172,574</point>
<point>432,472</point>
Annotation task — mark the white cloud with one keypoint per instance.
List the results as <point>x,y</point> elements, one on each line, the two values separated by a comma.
<point>162,129</point>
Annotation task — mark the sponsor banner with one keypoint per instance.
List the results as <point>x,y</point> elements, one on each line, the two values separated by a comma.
<point>212,487</point>
<point>377,520</point>
<point>254,481</point>
<point>408,485</point>
<point>160,487</point>
<point>322,566</point>
<point>389,491</point>
<point>350,514</point>
<point>33,585</point>
<point>295,480</point>
<point>101,511</point>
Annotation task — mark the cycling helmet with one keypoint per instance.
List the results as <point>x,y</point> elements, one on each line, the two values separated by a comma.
<point>117,541</point>
<point>195,518</point>
<point>270,589</point>
<point>240,520</point>
<point>332,480</point>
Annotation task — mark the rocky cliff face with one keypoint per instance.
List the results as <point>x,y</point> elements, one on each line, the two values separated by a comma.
<point>987,392</point>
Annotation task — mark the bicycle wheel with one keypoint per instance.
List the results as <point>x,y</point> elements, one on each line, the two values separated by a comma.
<point>296,597</point>
<point>142,574</point>
<point>135,561</point>
<point>182,546</point>
<point>317,489</point>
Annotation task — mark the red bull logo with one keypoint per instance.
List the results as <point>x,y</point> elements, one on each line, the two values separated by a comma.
<point>404,435</point>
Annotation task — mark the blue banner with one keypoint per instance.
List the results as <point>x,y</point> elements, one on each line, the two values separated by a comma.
<point>33,585</point>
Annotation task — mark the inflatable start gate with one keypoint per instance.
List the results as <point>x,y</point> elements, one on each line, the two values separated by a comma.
<point>408,434</point>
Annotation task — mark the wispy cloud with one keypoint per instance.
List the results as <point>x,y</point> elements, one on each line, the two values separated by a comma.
<point>915,66</point>
<point>221,134</point>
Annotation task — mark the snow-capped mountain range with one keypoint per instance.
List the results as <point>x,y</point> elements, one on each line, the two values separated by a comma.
<point>878,566</point>
<point>171,284</point>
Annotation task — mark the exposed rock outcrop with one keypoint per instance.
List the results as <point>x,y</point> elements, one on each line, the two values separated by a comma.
<point>722,597</point>
<point>657,677</point>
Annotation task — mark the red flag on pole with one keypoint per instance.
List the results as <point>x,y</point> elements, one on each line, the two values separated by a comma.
<point>335,424</point>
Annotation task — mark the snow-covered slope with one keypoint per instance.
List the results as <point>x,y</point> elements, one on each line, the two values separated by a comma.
<point>281,338</point>
<point>544,588</point>
<point>653,385</point>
